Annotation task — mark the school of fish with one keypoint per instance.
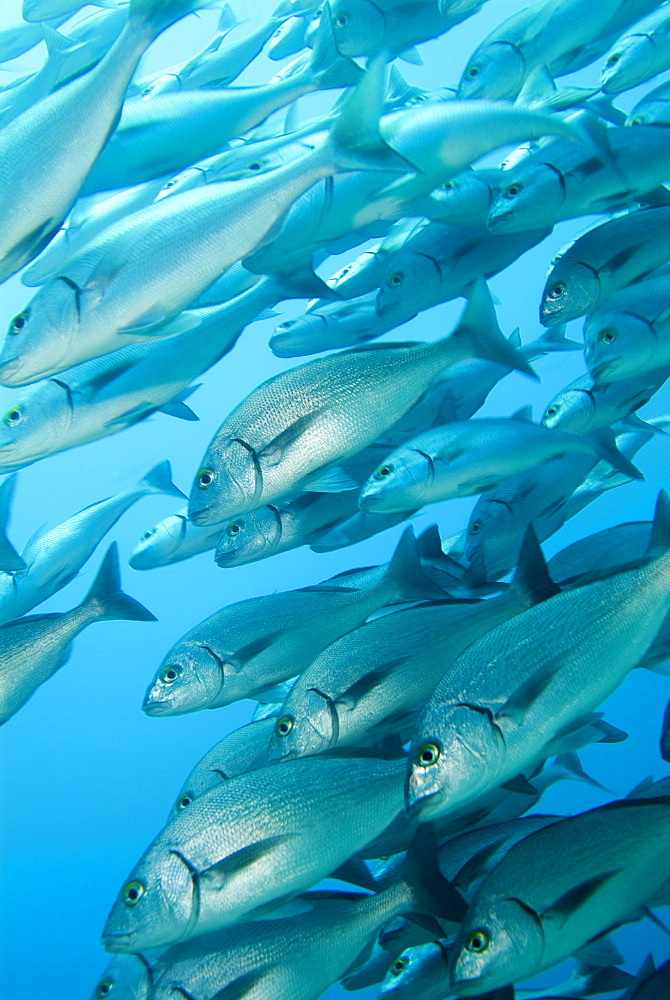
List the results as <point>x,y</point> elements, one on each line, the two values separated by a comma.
<point>411,714</point>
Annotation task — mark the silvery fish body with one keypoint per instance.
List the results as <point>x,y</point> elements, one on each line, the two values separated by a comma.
<point>331,326</point>
<point>534,910</point>
<point>628,335</point>
<point>463,459</point>
<point>365,273</point>
<point>562,36</point>
<point>363,28</point>
<point>242,750</point>
<point>585,406</point>
<point>638,55</point>
<point>530,685</point>
<point>464,200</point>
<point>128,975</point>
<point>246,648</point>
<point>288,39</point>
<point>600,553</point>
<point>33,648</point>
<point>653,108</point>
<point>564,180</point>
<point>171,540</point>
<point>54,559</point>
<point>603,260</point>
<point>106,395</point>
<point>419,971</point>
<point>260,836</point>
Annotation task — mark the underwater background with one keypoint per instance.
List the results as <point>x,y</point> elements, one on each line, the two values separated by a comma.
<point>86,779</point>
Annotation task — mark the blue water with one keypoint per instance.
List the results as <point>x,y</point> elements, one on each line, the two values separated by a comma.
<point>86,779</point>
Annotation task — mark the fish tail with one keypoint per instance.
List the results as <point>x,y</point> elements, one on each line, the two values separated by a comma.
<point>604,444</point>
<point>106,599</point>
<point>327,67</point>
<point>406,573</point>
<point>430,892</point>
<point>479,336</point>
<point>159,480</point>
<point>160,14</point>
<point>354,141</point>
<point>10,560</point>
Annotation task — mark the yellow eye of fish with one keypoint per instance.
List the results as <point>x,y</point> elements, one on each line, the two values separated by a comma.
<point>13,417</point>
<point>613,59</point>
<point>234,528</point>
<point>205,478</point>
<point>608,335</point>
<point>398,966</point>
<point>513,190</point>
<point>557,291</point>
<point>478,942</point>
<point>284,725</point>
<point>104,987</point>
<point>551,410</point>
<point>448,186</point>
<point>428,755</point>
<point>170,674</point>
<point>18,323</point>
<point>472,72</point>
<point>383,471</point>
<point>133,893</point>
<point>184,801</point>
<point>395,279</point>
<point>148,534</point>
<point>341,21</point>
<point>475,527</point>
<point>171,184</point>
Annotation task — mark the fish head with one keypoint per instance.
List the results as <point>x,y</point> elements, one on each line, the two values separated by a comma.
<point>157,905</point>
<point>246,539</point>
<point>412,281</point>
<point>190,678</point>
<point>618,345</point>
<point>359,27</point>
<point>287,38</point>
<point>492,527</point>
<point>495,72</point>
<point>127,977</point>
<point>463,198</point>
<point>419,971</point>
<point>159,545</point>
<point>654,109</point>
<point>626,64</point>
<point>530,197</point>
<point>35,425</point>
<point>455,755</point>
<point>572,410</point>
<point>353,279</point>
<point>39,338</point>
<point>307,724</point>
<point>571,290</point>
<point>400,483</point>
<point>191,178</point>
<point>304,335</point>
<point>228,482</point>
<point>500,942</point>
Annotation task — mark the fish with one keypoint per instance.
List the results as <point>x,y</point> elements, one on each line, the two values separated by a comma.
<point>603,260</point>
<point>363,29</point>
<point>171,131</point>
<point>331,326</point>
<point>10,560</point>
<point>262,836</point>
<point>19,37</point>
<point>512,933</point>
<point>242,750</point>
<point>464,458</point>
<point>365,273</point>
<point>53,559</point>
<point>374,680</point>
<point>37,192</point>
<point>562,36</point>
<point>638,55</point>
<point>291,430</point>
<point>288,39</point>
<point>652,982</point>
<point>538,692</point>
<point>652,109</point>
<point>626,336</point>
<point>128,975</point>
<point>246,648</point>
<point>424,968</point>
<point>584,406</point>
<point>44,10</point>
<point>171,540</point>
<point>32,649</point>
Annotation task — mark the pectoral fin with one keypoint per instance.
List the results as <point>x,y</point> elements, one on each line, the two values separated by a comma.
<point>571,901</point>
<point>217,876</point>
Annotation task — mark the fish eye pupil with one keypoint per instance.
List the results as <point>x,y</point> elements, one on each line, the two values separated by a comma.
<point>18,323</point>
<point>185,801</point>
<point>475,527</point>
<point>383,471</point>
<point>255,165</point>
<point>284,726</point>
<point>557,291</point>
<point>607,336</point>
<point>478,941</point>
<point>513,190</point>
<point>234,528</point>
<point>104,988</point>
<point>133,893</point>
<point>205,478</point>
<point>428,754</point>
<point>473,71</point>
<point>613,59</point>
<point>551,410</point>
<point>341,21</point>
<point>396,279</point>
<point>399,965</point>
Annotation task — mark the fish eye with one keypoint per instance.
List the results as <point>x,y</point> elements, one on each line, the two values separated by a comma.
<point>399,965</point>
<point>608,335</point>
<point>475,527</point>
<point>234,528</point>
<point>472,72</point>
<point>170,674</point>
<point>428,755</point>
<point>395,279</point>
<point>557,290</point>
<point>184,801</point>
<point>133,893</point>
<point>13,416</point>
<point>513,190</point>
<point>170,184</point>
<point>636,121</point>
<point>383,471</point>
<point>284,725</point>
<point>18,323</point>
<point>147,534</point>
<point>256,165</point>
<point>205,478</point>
<point>104,987</point>
<point>341,21</point>
<point>551,411</point>
<point>286,325</point>
<point>613,59</point>
<point>478,942</point>
<point>146,91</point>
<point>449,186</point>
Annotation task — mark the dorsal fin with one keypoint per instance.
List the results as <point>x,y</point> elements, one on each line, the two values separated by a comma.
<point>532,576</point>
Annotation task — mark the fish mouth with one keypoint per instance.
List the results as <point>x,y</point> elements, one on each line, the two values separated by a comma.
<point>225,558</point>
<point>550,316</point>
<point>201,516</point>
<point>370,502</point>
<point>116,943</point>
<point>417,808</point>
<point>8,369</point>
<point>151,707</point>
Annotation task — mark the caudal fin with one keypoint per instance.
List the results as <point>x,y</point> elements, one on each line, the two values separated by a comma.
<point>160,14</point>
<point>327,67</point>
<point>480,336</point>
<point>10,560</point>
<point>106,600</point>
<point>159,480</point>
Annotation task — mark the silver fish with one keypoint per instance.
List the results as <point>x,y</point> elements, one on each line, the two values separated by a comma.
<point>171,540</point>
<point>638,55</point>
<point>584,406</point>
<point>32,649</point>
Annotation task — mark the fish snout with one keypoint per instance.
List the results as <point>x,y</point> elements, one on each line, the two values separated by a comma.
<point>116,943</point>
<point>8,371</point>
